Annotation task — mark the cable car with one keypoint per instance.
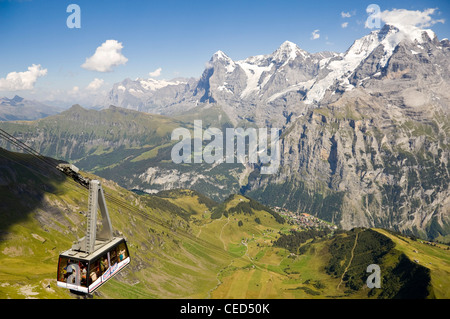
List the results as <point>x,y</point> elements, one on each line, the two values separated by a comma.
<point>98,256</point>
<point>84,273</point>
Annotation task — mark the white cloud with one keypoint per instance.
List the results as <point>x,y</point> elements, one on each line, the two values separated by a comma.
<point>402,17</point>
<point>344,25</point>
<point>17,81</point>
<point>155,73</point>
<point>408,20</point>
<point>95,84</point>
<point>74,90</point>
<point>91,95</point>
<point>315,35</point>
<point>106,56</point>
<point>346,14</point>
<point>208,65</point>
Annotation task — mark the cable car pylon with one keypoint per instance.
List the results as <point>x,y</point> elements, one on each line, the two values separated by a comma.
<point>93,237</point>
<point>98,256</point>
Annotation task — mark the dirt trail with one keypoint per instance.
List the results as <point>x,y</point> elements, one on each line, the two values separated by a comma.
<point>224,246</point>
<point>350,262</point>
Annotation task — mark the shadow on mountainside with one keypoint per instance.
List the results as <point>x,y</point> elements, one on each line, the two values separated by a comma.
<point>24,181</point>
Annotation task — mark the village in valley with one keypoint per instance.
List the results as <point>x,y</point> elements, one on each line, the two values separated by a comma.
<point>303,220</point>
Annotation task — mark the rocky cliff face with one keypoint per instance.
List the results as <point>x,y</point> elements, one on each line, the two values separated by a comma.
<point>374,153</point>
<point>358,166</point>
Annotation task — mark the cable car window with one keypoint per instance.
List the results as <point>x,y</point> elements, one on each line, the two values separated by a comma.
<point>94,271</point>
<point>98,268</point>
<point>113,256</point>
<point>72,271</point>
<point>62,269</point>
<point>83,274</point>
<point>122,251</point>
<point>104,263</point>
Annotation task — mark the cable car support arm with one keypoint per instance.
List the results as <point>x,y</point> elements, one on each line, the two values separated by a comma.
<point>96,201</point>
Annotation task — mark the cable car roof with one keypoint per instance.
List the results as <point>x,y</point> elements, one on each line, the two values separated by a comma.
<point>100,248</point>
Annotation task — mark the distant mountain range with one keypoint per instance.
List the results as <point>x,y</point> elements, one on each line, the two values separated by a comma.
<point>280,86</point>
<point>365,133</point>
<point>19,108</point>
<point>250,90</point>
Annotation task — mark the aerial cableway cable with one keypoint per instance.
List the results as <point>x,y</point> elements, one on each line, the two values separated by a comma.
<point>48,165</point>
<point>25,147</point>
<point>85,253</point>
<point>43,164</point>
<point>124,205</point>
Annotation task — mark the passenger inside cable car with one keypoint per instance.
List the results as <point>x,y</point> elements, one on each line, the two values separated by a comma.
<point>72,271</point>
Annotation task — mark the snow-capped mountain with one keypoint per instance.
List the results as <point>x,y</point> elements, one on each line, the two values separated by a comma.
<point>374,140</point>
<point>264,89</point>
<point>261,78</point>
<point>273,89</point>
<point>379,45</point>
<point>237,86</point>
<point>148,95</point>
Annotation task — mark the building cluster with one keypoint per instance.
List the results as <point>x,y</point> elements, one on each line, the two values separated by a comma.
<point>303,220</point>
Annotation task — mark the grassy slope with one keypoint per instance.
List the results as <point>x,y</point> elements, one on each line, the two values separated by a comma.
<point>97,140</point>
<point>121,145</point>
<point>435,258</point>
<point>167,259</point>
<point>177,249</point>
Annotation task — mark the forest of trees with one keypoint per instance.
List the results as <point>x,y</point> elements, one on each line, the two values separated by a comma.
<point>293,240</point>
<point>401,279</point>
<point>244,207</point>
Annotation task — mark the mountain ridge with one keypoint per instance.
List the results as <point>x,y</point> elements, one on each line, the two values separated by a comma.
<point>273,88</point>
<point>19,108</point>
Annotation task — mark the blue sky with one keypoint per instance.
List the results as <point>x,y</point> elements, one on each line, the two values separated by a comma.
<point>177,36</point>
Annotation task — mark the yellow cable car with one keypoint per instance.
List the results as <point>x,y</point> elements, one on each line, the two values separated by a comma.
<point>98,256</point>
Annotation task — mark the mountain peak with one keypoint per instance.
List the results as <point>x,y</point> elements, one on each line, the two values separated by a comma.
<point>220,55</point>
<point>12,102</point>
<point>287,51</point>
<point>288,45</point>
<point>412,33</point>
<point>17,99</point>
<point>75,107</point>
<point>386,29</point>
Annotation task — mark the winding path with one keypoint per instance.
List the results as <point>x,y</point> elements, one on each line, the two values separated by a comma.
<point>224,246</point>
<point>351,259</point>
<point>219,282</point>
